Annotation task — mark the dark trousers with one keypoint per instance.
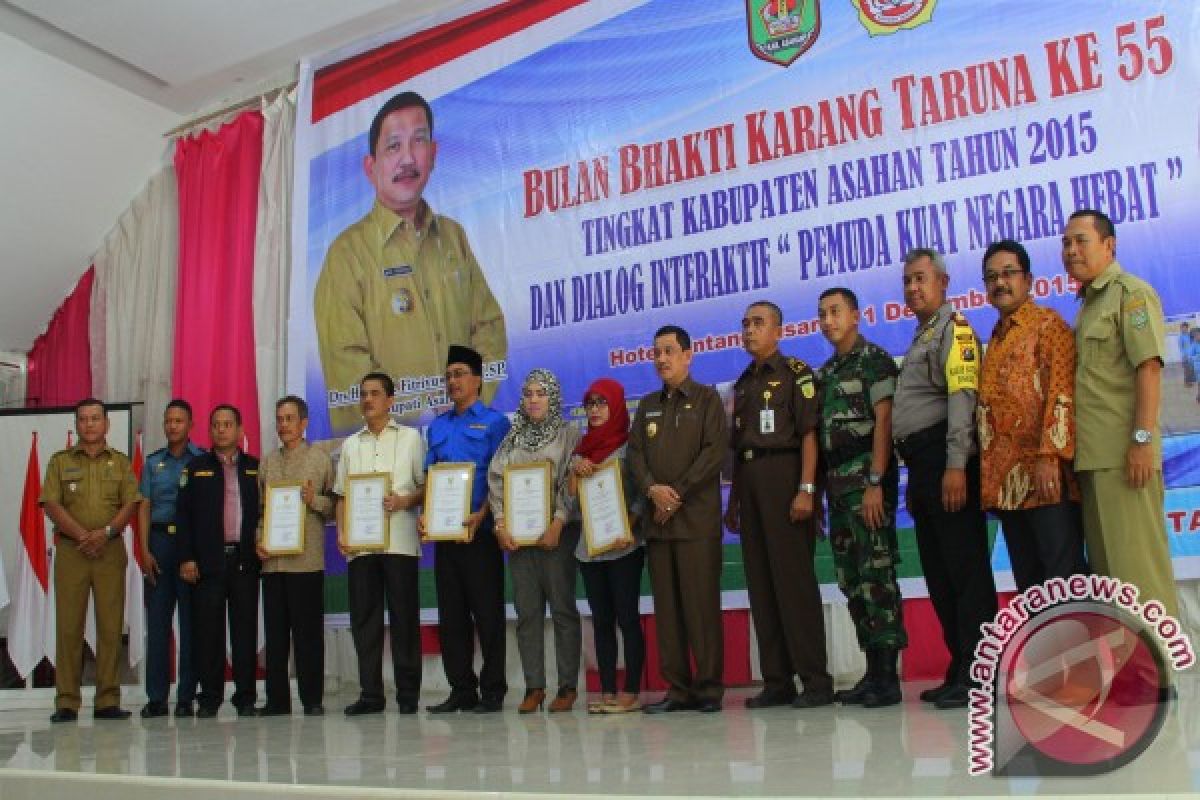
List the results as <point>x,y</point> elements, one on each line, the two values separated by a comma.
<point>954,554</point>
<point>294,617</point>
<point>375,580</point>
<point>685,575</point>
<point>167,591</point>
<point>469,578</point>
<point>613,592</point>
<point>781,578</point>
<point>229,595</point>
<point>1044,542</point>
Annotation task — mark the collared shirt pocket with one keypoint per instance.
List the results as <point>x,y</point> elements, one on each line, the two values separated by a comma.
<point>1098,339</point>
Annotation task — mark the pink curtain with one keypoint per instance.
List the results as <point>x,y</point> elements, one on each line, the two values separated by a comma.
<point>60,362</point>
<point>218,176</point>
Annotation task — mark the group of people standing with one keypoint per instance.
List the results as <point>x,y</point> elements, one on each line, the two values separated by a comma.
<point>1054,432</point>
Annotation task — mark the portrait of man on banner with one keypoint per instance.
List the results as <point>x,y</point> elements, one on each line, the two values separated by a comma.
<point>402,283</point>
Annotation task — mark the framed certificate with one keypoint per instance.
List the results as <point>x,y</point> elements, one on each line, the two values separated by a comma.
<point>283,519</point>
<point>602,505</point>
<point>365,520</point>
<point>448,501</point>
<point>528,500</point>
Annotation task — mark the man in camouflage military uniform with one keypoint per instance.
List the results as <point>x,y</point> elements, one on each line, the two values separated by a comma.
<point>856,386</point>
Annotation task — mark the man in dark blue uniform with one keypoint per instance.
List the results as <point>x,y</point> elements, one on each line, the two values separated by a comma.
<point>160,563</point>
<point>469,575</point>
<point>216,522</point>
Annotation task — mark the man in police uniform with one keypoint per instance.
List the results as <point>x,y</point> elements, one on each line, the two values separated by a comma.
<point>1119,335</point>
<point>156,513</point>
<point>676,445</point>
<point>933,423</point>
<point>216,523</point>
<point>857,384</point>
<point>469,575</point>
<point>771,504</point>
<point>398,286</point>
<point>90,495</point>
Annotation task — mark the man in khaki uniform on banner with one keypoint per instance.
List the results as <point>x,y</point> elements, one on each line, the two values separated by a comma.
<point>1118,383</point>
<point>90,494</point>
<point>401,284</point>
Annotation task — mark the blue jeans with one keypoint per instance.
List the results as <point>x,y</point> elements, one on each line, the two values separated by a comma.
<point>161,600</point>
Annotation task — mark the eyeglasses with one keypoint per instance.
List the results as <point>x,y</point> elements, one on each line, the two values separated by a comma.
<point>990,278</point>
<point>595,402</point>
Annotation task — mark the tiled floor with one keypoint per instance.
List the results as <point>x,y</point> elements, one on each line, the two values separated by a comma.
<point>905,751</point>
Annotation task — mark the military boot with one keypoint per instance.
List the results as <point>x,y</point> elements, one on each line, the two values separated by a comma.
<point>886,689</point>
<point>854,695</point>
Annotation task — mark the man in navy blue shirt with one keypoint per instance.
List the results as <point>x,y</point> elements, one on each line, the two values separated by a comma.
<point>156,517</point>
<point>469,575</point>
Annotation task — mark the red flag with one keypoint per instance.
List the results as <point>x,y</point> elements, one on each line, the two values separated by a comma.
<point>139,463</point>
<point>31,610</point>
<point>33,521</point>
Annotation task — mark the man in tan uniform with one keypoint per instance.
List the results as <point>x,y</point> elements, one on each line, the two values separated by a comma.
<point>90,494</point>
<point>401,284</point>
<point>676,445</point>
<point>1118,384</point>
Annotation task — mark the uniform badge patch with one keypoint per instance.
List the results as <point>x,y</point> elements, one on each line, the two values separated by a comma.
<point>807,389</point>
<point>402,302</point>
<point>651,429</point>
<point>1139,318</point>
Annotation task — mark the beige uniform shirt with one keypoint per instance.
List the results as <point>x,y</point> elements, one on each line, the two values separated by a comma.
<point>392,297</point>
<point>304,463</point>
<point>92,490</point>
<point>1119,326</point>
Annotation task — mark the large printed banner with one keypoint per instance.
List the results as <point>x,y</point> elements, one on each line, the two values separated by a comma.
<point>622,165</point>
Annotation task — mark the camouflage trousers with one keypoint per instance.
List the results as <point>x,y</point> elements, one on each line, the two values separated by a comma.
<point>865,561</point>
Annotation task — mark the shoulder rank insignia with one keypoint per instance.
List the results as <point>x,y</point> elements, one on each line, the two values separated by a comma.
<point>797,365</point>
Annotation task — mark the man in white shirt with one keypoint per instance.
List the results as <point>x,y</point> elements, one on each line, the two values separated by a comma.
<point>384,445</point>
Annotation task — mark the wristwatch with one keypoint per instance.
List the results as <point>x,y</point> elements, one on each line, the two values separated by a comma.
<point>874,479</point>
<point>1142,436</point>
<point>807,488</point>
<point>112,533</point>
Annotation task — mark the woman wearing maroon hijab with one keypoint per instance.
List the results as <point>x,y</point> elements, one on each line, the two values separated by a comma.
<point>612,580</point>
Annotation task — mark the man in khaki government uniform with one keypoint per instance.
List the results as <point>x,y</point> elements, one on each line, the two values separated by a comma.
<point>771,504</point>
<point>401,284</point>
<point>1118,383</point>
<point>676,445</point>
<point>90,494</point>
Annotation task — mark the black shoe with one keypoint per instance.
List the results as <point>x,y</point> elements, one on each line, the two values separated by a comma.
<point>154,709</point>
<point>272,711</point>
<point>767,699</point>
<point>811,698</point>
<point>455,702</point>
<point>406,706</point>
<point>489,705</point>
<point>885,691</point>
<point>667,706</point>
<point>206,712</point>
<point>708,706</point>
<point>360,707</point>
<point>184,709</point>
<point>314,711</point>
<point>931,695</point>
<point>957,696</point>
<point>247,710</point>
<point>111,712</point>
<point>64,715</point>
<point>855,694</point>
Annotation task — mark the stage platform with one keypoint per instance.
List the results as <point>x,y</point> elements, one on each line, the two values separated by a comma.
<point>905,751</point>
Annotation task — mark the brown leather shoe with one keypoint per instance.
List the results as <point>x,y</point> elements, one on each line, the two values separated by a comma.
<point>534,698</point>
<point>564,701</point>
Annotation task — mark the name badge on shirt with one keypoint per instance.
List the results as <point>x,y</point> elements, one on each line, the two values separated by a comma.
<point>766,421</point>
<point>477,427</point>
<point>397,271</point>
<point>653,413</point>
<point>402,302</point>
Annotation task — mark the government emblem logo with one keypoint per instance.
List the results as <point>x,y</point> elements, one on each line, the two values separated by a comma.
<point>781,31</point>
<point>881,17</point>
